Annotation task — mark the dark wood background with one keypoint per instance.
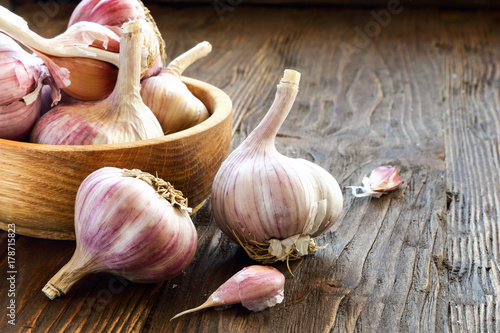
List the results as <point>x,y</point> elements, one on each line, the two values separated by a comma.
<point>421,92</point>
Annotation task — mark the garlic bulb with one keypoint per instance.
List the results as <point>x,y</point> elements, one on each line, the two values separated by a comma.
<point>271,204</point>
<point>113,13</point>
<point>381,180</point>
<point>128,223</point>
<point>20,94</point>
<point>121,117</point>
<point>169,98</point>
<point>255,287</point>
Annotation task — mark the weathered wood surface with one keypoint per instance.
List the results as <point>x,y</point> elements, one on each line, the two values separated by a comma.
<point>422,93</point>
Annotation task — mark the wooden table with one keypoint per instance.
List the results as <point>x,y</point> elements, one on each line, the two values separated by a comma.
<point>418,89</point>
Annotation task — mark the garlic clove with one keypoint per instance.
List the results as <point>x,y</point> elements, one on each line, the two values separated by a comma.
<point>380,181</point>
<point>90,82</point>
<point>255,287</point>
<point>169,98</point>
<point>385,179</point>
<point>131,224</point>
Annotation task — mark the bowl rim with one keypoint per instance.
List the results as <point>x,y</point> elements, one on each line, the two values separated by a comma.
<point>217,115</point>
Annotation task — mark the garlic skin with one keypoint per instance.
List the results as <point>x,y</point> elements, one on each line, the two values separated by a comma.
<point>121,117</point>
<point>169,98</point>
<point>255,287</point>
<point>20,94</point>
<point>381,180</point>
<point>107,12</point>
<point>128,223</point>
<point>271,204</point>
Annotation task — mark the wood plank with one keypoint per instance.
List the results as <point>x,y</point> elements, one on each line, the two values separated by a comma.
<point>423,258</point>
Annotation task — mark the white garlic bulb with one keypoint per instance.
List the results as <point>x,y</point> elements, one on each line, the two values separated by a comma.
<point>121,117</point>
<point>274,205</point>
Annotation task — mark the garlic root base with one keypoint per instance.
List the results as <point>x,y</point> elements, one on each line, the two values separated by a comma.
<point>297,246</point>
<point>52,291</point>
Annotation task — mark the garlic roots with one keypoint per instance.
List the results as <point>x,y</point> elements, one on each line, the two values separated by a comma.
<point>169,98</point>
<point>255,287</point>
<point>271,204</point>
<point>121,117</point>
<point>128,223</point>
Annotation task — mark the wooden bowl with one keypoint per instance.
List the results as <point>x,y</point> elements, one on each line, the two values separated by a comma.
<point>38,183</point>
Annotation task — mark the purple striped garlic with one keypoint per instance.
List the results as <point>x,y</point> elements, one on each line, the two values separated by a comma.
<point>271,204</point>
<point>255,287</point>
<point>131,224</point>
<point>114,13</point>
<point>121,117</point>
<point>20,94</point>
<point>169,98</point>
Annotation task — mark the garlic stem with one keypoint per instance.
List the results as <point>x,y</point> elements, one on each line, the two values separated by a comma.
<point>208,304</point>
<point>16,27</point>
<point>67,276</point>
<point>268,128</point>
<point>179,64</point>
<point>129,76</point>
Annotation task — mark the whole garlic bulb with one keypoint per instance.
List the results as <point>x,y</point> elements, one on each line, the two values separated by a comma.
<point>274,205</point>
<point>114,13</point>
<point>129,223</point>
<point>20,94</point>
<point>121,117</point>
<point>169,98</point>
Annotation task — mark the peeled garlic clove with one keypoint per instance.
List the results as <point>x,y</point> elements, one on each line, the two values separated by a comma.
<point>255,287</point>
<point>274,205</point>
<point>121,117</point>
<point>381,180</point>
<point>169,98</point>
<point>131,224</point>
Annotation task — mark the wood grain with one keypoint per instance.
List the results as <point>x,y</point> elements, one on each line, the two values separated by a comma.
<point>421,92</point>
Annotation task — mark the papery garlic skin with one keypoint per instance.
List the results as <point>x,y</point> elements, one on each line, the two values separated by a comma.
<point>107,12</point>
<point>261,196</point>
<point>380,181</point>
<point>175,107</point>
<point>124,225</point>
<point>255,287</point>
<point>20,87</point>
<point>121,117</point>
